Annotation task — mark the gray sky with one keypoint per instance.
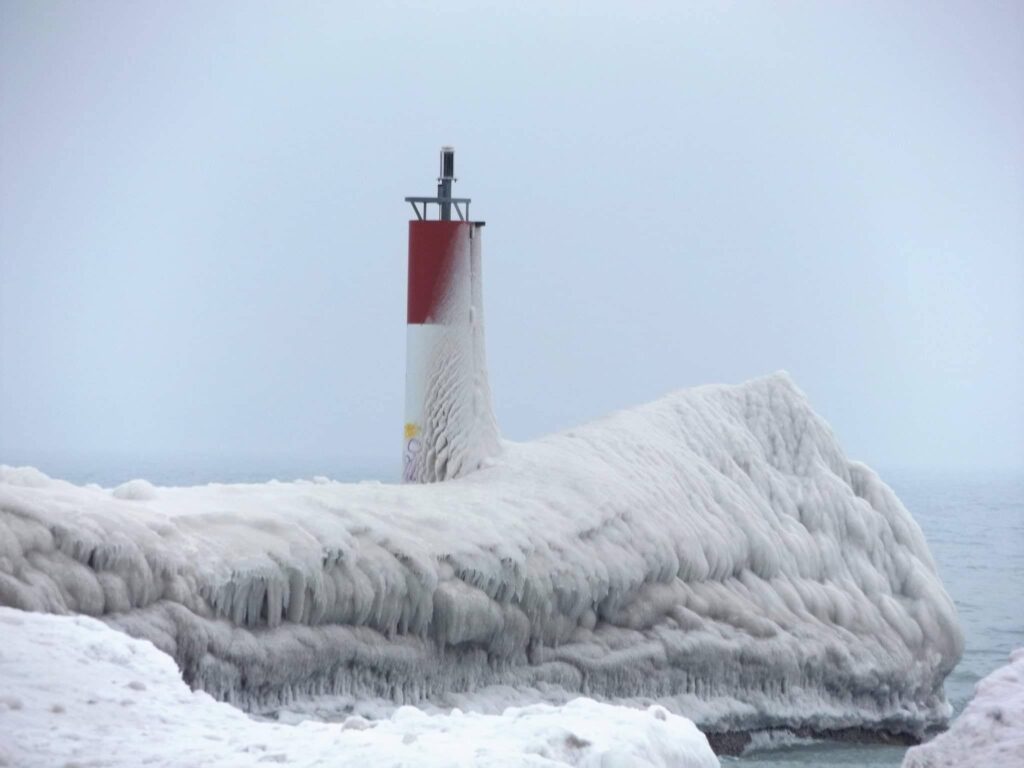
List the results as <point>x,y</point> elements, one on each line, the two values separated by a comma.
<point>202,233</point>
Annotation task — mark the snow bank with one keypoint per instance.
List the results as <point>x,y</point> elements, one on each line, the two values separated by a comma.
<point>989,732</point>
<point>713,551</point>
<point>75,691</point>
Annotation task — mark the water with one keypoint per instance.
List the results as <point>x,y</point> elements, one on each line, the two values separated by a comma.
<point>974,524</point>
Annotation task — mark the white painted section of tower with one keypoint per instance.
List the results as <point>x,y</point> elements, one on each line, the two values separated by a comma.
<point>422,340</point>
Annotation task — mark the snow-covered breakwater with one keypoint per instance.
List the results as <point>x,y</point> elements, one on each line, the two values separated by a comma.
<point>713,551</point>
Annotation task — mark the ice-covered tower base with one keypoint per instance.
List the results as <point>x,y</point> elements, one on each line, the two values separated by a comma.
<point>450,428</point>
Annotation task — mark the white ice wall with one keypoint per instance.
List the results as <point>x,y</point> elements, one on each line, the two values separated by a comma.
<point>713,550</point>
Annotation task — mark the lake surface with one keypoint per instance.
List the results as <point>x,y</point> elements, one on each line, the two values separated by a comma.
<point>974,524</point>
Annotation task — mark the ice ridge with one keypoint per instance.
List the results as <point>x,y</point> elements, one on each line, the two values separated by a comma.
<point>713,551</point>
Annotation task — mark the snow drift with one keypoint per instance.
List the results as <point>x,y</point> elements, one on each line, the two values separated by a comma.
<point>77,692</point>
<point>989,732</point>
<point>713,551</point>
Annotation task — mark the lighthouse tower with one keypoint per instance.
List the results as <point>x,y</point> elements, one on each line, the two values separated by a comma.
<point>450,428</point>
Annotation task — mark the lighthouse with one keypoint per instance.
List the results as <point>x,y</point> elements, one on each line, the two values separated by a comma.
<point>450,429</point>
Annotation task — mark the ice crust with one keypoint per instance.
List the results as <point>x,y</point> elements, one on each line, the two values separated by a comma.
<point>989,732</point>
<point>76,692</point>
<point>713,551</point>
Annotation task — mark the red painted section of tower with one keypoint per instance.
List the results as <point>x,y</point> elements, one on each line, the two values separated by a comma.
<point>432,251</point>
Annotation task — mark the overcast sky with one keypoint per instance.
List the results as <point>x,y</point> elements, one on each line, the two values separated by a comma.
<point>203,238</point>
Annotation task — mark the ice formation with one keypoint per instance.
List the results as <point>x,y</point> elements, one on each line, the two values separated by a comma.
<point>989,732</point>
<point>713,551</point>
<point>75,692</point>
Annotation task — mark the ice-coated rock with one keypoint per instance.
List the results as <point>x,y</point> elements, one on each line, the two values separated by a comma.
<point>989,732</point>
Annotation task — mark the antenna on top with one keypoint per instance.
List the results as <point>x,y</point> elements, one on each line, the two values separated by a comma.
<point>444,200</point>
